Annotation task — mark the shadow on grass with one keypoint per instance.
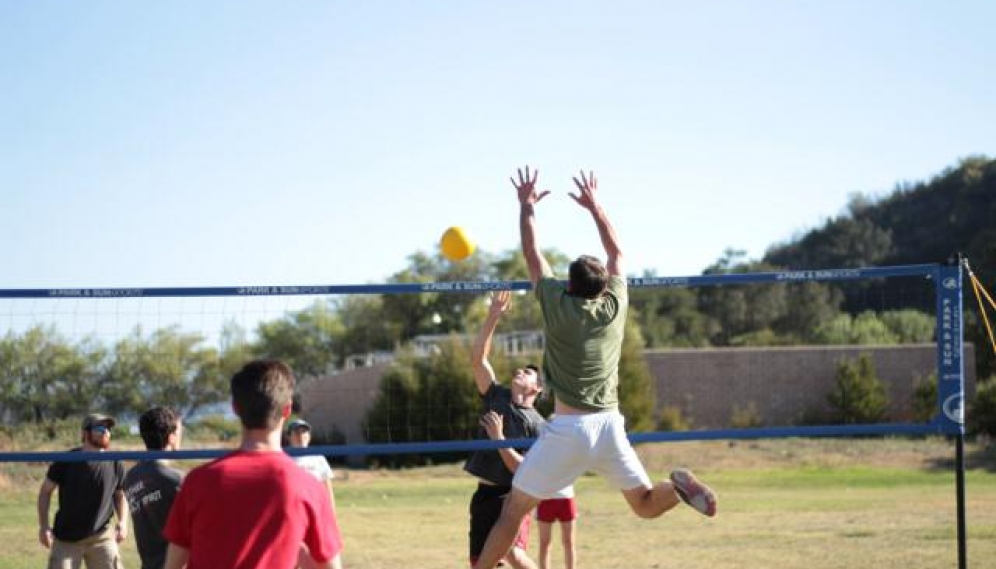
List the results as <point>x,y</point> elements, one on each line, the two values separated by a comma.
<point>982,457</point>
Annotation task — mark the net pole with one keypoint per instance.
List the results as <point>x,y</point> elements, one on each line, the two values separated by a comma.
<point>960,489</point>
<point>955,266</point>
<point>948,285</point>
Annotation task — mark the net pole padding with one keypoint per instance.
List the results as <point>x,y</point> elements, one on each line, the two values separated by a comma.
<point>951,382</point>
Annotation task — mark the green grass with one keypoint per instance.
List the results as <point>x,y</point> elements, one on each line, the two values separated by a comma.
<point>887,504</point>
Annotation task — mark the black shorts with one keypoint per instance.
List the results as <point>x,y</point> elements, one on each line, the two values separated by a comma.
<point>485,509</point>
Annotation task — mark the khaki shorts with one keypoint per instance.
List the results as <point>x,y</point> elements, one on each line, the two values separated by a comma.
<point>99,551</point>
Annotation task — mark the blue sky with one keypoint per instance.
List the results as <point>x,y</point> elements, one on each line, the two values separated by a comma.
<point>239,143</point>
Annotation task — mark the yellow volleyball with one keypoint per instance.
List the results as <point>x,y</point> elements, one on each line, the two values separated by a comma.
<point>455,244</point>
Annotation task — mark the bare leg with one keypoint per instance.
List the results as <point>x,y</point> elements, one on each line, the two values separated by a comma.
<point>517,505</point>
<point>518,559</point>
<point>652,502</point>
<point>545,529</point>
<point>567,536</point>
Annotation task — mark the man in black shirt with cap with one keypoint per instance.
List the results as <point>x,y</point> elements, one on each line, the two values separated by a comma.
<point>89,492</point>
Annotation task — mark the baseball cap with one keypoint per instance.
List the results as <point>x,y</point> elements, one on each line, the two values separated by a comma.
<point>97,419</point>
<point>297,424</point>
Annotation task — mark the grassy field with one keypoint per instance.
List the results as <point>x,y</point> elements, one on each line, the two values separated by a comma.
<point>882,503</point>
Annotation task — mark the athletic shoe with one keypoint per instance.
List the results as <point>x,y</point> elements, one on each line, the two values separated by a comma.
<point>694,493</point>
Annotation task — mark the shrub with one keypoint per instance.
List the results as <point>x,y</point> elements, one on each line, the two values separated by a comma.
<point>671,419</point>
<point>925,399</point>
<point>982,413</point>
<point>746,416</point>
<point>858,396</point>
<point>224,428</point>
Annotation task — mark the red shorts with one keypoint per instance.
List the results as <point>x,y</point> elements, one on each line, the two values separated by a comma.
<point>557,510</point>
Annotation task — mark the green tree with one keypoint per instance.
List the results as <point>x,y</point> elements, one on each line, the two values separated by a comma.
<point>425,398</point>
<point>366,328</point>
<point>669,317</point>
<point>306,340</point>
<point>44,378</point>
<point>858,395</point>
<point>982,413</point>
<point>925,398</point>
<point>909,326</point>
<point>637,392</point>
<point>169,367</point>
<point>864,329</point>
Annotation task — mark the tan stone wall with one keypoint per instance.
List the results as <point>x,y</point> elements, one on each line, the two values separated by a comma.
<point>783,384</point>
<point>707,384</point>
<point>339,402</point>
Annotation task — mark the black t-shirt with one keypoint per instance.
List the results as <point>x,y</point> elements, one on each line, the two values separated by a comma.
<point>86,496</point>
<point>150,487</point>
<point>517,423</point>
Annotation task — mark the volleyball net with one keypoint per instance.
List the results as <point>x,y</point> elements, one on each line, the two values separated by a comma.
<point>384,372</point>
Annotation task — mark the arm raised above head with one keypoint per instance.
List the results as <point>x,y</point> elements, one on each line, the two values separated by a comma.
<point>484,374</point>
<point>528,198</point>
<point>586,198</point>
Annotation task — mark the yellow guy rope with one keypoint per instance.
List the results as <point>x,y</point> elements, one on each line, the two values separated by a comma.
<point>980,291</point>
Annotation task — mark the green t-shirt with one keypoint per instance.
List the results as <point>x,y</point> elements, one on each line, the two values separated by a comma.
<point>583,342</point>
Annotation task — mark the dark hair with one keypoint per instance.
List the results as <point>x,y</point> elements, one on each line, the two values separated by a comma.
<point>587,277</point>
<point>539,376</point>
<point>260,391</point>
<point>156,425</point>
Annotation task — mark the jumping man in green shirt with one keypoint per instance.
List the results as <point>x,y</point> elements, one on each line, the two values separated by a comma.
<point>584,323</point>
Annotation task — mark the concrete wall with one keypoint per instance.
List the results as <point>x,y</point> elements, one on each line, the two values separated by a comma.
<point>339,402</point>
<point>707,384</point>
<point>783,384</point>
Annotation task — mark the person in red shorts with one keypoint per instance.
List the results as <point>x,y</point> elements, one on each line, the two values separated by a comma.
<point>254,508</point>
<point>553,510</point>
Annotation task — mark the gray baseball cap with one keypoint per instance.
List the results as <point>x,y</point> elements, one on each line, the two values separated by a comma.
<point>97,419</point>
<point>297,424</point>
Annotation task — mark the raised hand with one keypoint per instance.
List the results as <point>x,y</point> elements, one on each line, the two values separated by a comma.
<point>587,186</point>
<point>494,425</point>
<point>500,301</point>
<point>526,186</point>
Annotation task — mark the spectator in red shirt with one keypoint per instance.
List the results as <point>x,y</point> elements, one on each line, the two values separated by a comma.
<point>254,508</point>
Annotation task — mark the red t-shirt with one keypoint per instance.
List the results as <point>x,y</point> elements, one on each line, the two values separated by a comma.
<point>252,510</point>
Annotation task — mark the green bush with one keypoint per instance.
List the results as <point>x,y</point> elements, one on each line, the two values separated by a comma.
<point>211,426</point>
<point>982,413</point>
<point>858,396</point>
<point>671,419</point>
<point>925,399</point>
<point>746,416</point>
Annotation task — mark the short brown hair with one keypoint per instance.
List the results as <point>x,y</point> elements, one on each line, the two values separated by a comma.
<point>587,277</point>
<point>261,390</point>
<point>156,425</point>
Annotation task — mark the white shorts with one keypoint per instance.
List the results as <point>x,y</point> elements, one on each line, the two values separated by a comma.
<point>571,445</point>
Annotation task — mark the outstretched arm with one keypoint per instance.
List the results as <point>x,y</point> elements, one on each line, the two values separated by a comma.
<point>484,374</point>
<point>587,187</point>
<point>528,198</point>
